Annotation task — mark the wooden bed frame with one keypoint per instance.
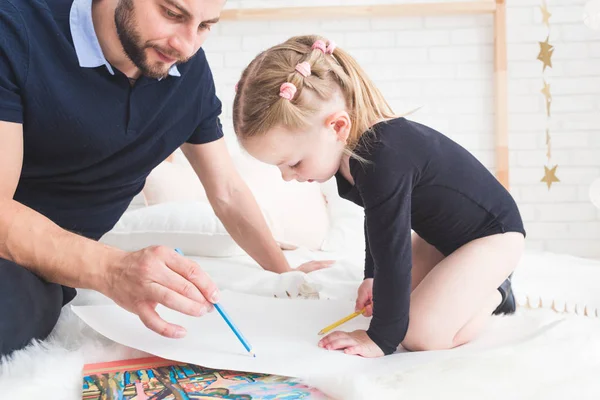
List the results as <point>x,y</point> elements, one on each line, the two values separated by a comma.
<point>495,7</point>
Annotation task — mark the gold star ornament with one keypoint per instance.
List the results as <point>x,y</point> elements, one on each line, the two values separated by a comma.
<point>546,50</point>
<point>547,96</point>
<point>545,14</point>
<point>550,176</point>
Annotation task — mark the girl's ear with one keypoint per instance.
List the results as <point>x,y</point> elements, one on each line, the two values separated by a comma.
<point>340,123</point>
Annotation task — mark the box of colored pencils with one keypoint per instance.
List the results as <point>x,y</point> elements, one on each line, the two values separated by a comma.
<point>157,378</point>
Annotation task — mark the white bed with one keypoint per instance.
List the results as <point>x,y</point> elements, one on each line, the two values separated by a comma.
<point>561,359</point>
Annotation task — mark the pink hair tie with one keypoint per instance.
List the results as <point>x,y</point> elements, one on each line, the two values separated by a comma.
<point>236,87</point>
<point>319,44</point>
<point>303,68</point>
<point>287,90</point>
<point>331,47</point>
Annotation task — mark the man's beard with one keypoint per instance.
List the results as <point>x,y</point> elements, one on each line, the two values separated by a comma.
<point>132,43</point>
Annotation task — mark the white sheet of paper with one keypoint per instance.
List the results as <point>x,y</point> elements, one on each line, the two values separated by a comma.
<point>282,332</point>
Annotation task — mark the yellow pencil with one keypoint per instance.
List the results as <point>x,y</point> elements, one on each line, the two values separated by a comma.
<point>341,321</point>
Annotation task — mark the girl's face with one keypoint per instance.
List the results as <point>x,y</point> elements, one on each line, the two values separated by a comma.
<point>313,154</point>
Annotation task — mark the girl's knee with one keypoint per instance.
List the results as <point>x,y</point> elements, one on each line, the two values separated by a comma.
<point>426,336</point>
<point>426,344</point>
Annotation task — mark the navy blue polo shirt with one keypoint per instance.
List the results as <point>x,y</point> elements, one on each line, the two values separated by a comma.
<point>90,138</point>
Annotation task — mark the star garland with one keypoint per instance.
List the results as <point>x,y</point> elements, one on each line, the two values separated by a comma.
<point>545,56</point>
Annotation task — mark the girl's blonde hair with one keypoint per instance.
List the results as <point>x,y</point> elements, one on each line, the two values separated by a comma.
<point>258,106</point>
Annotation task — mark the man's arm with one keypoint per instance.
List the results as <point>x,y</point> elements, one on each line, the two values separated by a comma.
<point>32,240</point>
<point>234,203</point>
<point>136,281</point>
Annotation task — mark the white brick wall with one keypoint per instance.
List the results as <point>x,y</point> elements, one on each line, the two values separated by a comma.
<point>445,65</point>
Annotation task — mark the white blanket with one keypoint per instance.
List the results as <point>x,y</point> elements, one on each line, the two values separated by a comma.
<point>559,359</point>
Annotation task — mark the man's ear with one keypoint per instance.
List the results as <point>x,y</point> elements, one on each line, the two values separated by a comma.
<point>341,124</point>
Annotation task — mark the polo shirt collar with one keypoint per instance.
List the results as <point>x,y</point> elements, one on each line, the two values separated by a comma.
<point>88,50</point>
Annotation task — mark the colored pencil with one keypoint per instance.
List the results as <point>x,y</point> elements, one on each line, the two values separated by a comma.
<point>341,321</point>
<point>234,329</point>
<point>230,323</point>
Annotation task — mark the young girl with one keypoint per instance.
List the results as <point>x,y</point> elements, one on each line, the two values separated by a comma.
<point>308,108</point>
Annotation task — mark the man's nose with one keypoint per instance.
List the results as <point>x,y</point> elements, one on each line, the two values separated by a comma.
<point>184,42</point>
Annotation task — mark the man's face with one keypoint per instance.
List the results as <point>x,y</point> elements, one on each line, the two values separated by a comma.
<point>156,34</point>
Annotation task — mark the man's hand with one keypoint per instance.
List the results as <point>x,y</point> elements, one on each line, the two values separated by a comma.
<point>357,343</point>
<point>365,297</point>
<point>314,265</point>
<point>139,281</point>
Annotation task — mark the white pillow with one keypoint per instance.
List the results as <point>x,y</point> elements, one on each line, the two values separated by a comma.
<point>191,226</point>
<point>173,182</point>
<point>297,211</point>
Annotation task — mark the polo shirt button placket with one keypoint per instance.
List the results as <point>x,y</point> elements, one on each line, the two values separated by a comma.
<point>132,119</point>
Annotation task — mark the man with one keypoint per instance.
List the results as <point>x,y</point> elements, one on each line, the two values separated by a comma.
<point>93,95</point>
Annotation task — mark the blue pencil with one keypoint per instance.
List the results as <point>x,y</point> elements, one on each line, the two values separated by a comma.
<point>235,330</point>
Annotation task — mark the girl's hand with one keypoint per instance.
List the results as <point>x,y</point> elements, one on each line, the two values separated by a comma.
<point>365,297</point>
<point>357,343</point>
